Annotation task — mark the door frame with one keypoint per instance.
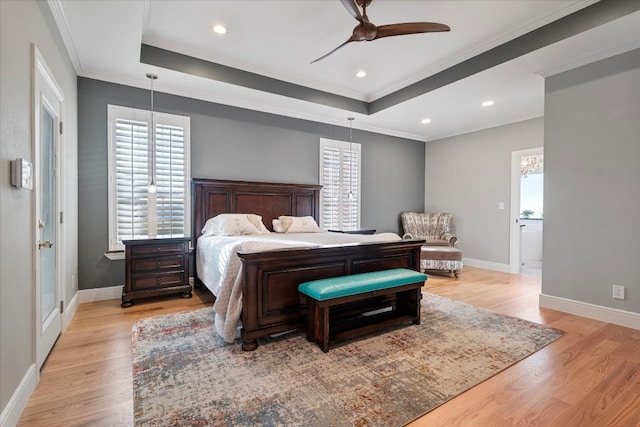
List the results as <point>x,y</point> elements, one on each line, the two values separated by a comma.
<point>42,75</point>
<point>514,213</point>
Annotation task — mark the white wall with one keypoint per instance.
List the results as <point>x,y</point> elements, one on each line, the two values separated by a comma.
<point>468,175</point>
<point>592,174</point>
<point>23,23</point>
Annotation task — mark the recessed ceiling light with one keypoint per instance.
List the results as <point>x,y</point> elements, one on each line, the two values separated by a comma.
<point>487,103</point>
<point>219,29</point>
<point>361,74</point>
<point>425,121</point>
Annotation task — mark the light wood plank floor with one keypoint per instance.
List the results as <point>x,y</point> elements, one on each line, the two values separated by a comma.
<point>589,377</point>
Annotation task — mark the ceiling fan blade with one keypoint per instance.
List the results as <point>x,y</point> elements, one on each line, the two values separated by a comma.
<point>327,54</point>
<point>410,28</point>
<point>352,8</point>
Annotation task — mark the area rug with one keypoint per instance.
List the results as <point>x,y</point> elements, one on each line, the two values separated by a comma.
<point>184,374</point>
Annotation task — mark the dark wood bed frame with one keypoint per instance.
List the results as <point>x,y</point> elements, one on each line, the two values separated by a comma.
<point>271,302</point>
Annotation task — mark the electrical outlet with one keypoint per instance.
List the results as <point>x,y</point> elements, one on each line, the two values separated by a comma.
<point>618,292</point>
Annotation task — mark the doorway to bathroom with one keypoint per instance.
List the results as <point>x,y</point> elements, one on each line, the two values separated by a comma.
<point>527,212</point>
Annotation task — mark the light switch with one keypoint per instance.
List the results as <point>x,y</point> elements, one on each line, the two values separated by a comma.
<point>500,205</point>
<point>21,173</point>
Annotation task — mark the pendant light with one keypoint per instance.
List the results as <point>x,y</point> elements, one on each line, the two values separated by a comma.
<point>152,185</point>
<point>350,157</point>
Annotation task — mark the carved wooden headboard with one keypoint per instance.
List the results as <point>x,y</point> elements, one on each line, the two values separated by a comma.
<point>270,200</point>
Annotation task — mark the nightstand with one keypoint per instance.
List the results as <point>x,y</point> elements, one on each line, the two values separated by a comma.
<point>156,267</point>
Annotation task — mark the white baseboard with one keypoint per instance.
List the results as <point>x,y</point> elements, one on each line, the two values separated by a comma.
<point>592,311</point>
<point>11,413</point>
<point>100,294</point>
<point>487,265</point>
<point>70,311</point>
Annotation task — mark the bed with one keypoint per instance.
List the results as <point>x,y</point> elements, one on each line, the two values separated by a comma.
<point>265,288</point>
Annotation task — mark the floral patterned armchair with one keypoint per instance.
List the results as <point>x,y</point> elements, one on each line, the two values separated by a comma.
<point>435,228</point>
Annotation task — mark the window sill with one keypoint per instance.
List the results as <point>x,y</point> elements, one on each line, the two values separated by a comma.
<point>114,256</point>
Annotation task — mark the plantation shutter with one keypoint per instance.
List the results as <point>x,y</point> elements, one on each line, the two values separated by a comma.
<point>330,211</point>
<point>340,180</point>
<point>132,161</point>
<point>170,180</point>
<point>134,212</point>
<point>350,218</point>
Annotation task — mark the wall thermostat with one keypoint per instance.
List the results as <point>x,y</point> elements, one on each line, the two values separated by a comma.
<point>21,174</point>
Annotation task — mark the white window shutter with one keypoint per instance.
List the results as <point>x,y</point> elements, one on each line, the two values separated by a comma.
<point>170,181</point>
<point>131,179</point>
<point>340,180</point>
<point>134,213</point>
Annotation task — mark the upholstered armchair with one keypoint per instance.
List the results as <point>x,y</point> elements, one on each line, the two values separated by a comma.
<point>434,228</point>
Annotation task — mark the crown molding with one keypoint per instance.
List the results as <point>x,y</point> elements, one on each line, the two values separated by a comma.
<point>253,106</point>
<point>590,58</point>
<point>59,15</point>
<point>480,48</point>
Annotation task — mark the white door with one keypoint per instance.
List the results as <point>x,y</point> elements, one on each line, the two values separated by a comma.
<point>47,112</point>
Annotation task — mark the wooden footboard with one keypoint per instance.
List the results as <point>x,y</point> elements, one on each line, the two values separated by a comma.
<point>271,302</point>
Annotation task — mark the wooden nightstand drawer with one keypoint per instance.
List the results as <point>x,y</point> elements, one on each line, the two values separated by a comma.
<point>157,264</point>
<point>156,267</point>
<point>157,280</point>
<point>159,249</point>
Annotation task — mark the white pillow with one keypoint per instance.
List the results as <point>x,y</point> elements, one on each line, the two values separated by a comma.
<point>234,225</point>
<point>296,224</point>
<point>277,226</point>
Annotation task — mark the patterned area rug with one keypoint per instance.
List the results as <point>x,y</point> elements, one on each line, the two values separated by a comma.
<point>184,374</point>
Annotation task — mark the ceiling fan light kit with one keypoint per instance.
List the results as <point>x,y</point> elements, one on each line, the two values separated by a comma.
<point>367,31</point>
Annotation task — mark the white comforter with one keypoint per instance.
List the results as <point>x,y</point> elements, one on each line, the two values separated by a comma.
<point>220,269</point>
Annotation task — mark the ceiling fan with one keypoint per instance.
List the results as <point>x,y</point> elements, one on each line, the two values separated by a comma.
<point>366,31</point>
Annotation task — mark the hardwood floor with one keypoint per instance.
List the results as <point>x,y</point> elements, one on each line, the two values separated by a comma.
<point>589,377</point>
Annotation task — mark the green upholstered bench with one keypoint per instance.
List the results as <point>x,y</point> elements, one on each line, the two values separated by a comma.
<point>344,307</point>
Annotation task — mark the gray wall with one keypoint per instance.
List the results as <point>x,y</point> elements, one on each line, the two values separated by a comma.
<point>233,143</point>
<point>592,150</point>
<point>21,24</point>
<point>468,175</point>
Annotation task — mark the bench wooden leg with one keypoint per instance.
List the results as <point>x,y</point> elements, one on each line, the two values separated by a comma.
<point>312,307</point>
<point>408,303</point>
<point>323,324</point>
<point>418,297</point>
<point>318,324</point>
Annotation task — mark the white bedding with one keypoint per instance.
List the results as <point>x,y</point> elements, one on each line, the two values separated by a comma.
<point>220,269</point>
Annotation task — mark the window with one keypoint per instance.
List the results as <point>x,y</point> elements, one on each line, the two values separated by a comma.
<point>340,180</point>
<point>134,212</point>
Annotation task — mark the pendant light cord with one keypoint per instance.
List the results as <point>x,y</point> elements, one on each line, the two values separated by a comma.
<point>152,184</point>
<point>350,156</point>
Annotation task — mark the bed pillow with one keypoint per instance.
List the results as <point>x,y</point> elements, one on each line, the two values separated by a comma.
<point>296,224</point>
<point>277,226</point>
<point>234,225</point>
